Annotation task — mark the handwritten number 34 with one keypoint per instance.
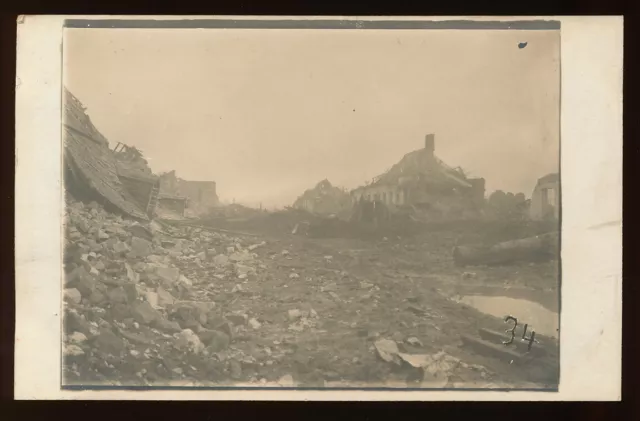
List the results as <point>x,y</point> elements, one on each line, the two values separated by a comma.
<point>512,331</point>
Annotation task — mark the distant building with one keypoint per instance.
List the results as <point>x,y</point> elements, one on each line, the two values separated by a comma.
<point>421,179</point>
<point>324,199</point>
<point>201,195</point>
<point>545,199</point>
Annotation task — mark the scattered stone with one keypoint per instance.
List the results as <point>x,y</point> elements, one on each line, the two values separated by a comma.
<point>187,339</point>
<point>184,281</point>
<point>294,314</point>
<point>169,275</point>
<point>132,275</point>
<point>82,280</point>
<point>165,299</point>
<point>414,341</point>
<point>254,324</point>
<point>398,337</point>
<point>243,256</point>
<point>140,247</point>
<point>144,313</point>
<point>77,338</point>
<point>136,338</point>
<point>97,298</point>
<point>214,340</point>
<point>167,326</point>
<point>120,247</point>
<point>141,232</point>
<point>152,298</point>
<point>132,291</point>
<point>469,275</point>
<point>294,276</point>
<point>235,369</point>
<point>72,351</point>
<point>117,295</point>
<point>255,246</point>
<point>237,319</point>
<point>102,235</point>
<point>387,350</point>
<point>220,260</point>
<point>73,295</point>
<point>286,381</point>
<point>75,322</point>
<point>109,342</point>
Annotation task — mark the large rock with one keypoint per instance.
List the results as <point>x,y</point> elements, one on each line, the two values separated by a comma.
<point>144,313</point>
<point>141,247</point>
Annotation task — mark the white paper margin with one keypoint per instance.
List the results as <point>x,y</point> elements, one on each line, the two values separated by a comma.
<point>591,155</point>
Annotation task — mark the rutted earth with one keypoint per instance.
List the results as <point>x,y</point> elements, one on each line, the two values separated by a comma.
<point>164,305</point>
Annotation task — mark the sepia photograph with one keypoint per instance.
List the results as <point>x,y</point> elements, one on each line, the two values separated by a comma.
<point>314,205</point>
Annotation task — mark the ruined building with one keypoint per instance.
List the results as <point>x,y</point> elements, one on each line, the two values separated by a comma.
<point>200,196</point>
<point>324,199</point>
<point>92,171</point>
<point>545,199</point>
<point>421,180</point>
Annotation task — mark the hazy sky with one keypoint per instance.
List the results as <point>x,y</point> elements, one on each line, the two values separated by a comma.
<point>269,113</point>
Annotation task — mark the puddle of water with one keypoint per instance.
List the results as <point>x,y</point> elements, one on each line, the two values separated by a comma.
<point>527,312</point>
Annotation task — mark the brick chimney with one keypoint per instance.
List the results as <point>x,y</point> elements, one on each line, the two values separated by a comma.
<point>430,143</point>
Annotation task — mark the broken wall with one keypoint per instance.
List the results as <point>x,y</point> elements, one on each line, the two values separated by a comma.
<point>545,199</point>
<point>176,205</point>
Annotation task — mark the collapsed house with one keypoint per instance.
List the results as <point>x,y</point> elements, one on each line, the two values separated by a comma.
<point>422,181</point>
<point>92,171</point>
<point>198,197</point>
<point>324,199</point>
<point>545,199</point>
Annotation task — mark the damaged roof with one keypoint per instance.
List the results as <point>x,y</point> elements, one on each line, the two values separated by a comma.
<point>75,117</point>
<point>87,155</point>
<point>422,162</point>
<point>323,188</point>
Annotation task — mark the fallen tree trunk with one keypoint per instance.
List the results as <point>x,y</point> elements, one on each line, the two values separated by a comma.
<point>539,248</point>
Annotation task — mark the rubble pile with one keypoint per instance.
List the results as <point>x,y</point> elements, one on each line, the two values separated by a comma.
<point>154,304</point>
<point>140,299</point>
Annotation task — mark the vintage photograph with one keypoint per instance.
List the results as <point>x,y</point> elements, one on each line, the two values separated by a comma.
<point>344,207</point>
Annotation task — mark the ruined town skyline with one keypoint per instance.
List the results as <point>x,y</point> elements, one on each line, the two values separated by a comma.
<point>279,113</point>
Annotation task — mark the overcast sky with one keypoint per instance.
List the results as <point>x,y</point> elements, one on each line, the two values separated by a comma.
<point>269,113</point>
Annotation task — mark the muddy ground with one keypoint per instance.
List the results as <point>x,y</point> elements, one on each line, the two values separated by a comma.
<point>411,287</point>
<point>303,311</point>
